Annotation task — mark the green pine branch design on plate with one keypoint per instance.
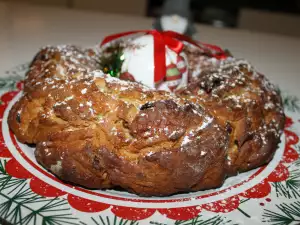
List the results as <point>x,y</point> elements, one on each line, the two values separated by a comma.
<point>288,214</point>
<point>201,220</point>
<point>291,103</point>
<point>9,81</point>
<point>105,220</point>
<point>19,205</point>
<point>18,71</point>
<point>289,188</point>
<point>297,163</point>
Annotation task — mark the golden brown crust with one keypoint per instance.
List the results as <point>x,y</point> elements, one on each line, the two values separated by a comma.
<point>101,132</point>
<point>247,104</point>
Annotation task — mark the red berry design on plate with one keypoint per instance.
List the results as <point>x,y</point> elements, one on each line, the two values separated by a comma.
<point>7,97</point>
<point>86,205</point>
<point>288,122</point>
<point>224,206</point>
<point>184,213</point>
<point>258,191</point>
<point>129,213</point>
<point>15,169</point>
<point>281,173</point>
<point>290,154</point>
<point>4,152</point>
<point>20,85</point>
<point>44,189</point>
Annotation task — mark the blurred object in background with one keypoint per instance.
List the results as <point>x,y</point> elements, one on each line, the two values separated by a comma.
<point>218,17</point>
<point>212,12</point>
<point>176,16</point>
<point>263,21</point>
<point>280,17</point>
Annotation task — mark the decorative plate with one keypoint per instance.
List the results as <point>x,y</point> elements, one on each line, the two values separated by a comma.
<point>31,195</point>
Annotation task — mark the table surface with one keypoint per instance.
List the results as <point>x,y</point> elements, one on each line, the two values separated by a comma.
<point>24,29</point>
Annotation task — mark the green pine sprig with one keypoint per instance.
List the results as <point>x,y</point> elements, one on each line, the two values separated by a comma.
<point>9,83</point>
<point>291,103</point>
<point>288,214</point>
<point>201,220</point>
<point>19,205</point>
<point>18,71</point>
<point>12,77</point>
<point>105,220</point>
<point>297,163</point>
<point>289,188</point>
<point>241,210</point>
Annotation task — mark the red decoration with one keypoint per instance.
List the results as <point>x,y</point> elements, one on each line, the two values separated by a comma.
<point>4,152</point>
<point>44,189</point>
<point>20,85</point>
<point>170,39</point>
<point>281,173</point>
<point>223,206</point>
<point>258,191</point>
<point>288,122</point>
<point>290,154</point>
<point>15,169</point>
<point>7,97</point>
<point>86,205</point>
<point>184,213</point>
<point>132,213</point>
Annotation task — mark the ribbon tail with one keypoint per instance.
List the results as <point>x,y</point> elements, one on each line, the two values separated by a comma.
<point>173,44</point>
<point>196,43</point>
<point>159,57</point>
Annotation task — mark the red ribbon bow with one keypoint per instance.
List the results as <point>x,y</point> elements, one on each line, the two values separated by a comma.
<point>170,39</point>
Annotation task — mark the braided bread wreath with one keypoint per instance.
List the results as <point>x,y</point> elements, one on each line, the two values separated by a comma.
<point>98,131</point>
